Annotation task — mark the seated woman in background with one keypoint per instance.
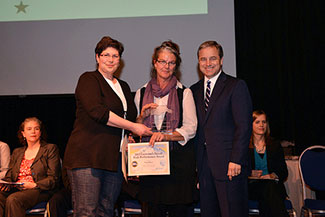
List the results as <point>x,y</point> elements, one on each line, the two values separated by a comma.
<point>268,164</point>
<point>4,159</point>
<point>36,166</point>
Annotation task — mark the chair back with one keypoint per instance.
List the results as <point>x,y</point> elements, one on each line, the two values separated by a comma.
<point>131,207</point>
<point>38,209</point>
<point>254,210</point>
<point>312,168</point>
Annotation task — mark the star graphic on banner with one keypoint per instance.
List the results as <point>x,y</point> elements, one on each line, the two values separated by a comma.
<point>21,7</point>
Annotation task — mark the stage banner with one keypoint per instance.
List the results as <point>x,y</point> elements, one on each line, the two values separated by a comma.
<point>28,10</point>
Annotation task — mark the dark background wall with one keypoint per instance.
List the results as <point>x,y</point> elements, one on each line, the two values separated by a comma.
<point>57,112</point>
<point>279,48</point>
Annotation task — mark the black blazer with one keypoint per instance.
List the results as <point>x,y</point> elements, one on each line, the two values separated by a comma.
<point>226,126</point>
<point>92,143</point>
<point>275,159</point>
<point>275,162</point>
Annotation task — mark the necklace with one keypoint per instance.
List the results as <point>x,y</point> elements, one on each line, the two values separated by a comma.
<point>259,150</point>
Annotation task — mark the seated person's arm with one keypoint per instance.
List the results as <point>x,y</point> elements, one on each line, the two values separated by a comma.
<point>5,159</point>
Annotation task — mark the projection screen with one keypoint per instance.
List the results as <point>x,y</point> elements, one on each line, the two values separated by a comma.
<point>46,45</point>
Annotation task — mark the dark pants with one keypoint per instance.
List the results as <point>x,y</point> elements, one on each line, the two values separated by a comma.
<point>222,198</point>
<point>269,197</point>
<point>161,210</point>
<point>14,203</point>
<point>60,203</point>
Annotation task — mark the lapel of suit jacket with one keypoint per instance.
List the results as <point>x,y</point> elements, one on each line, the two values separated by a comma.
<point>218,87</point>
<point>110,89</point>
<point>16,167</point>
<point>200,106</point>
<point>252,158</point>
<point>39,154</point>
<point>21,155</point>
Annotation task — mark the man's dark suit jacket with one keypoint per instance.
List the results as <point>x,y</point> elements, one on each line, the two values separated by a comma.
<point>225,128</point>
<point>92,143</point>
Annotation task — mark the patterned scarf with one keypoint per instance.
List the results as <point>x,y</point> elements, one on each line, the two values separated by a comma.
<point>153,90</point>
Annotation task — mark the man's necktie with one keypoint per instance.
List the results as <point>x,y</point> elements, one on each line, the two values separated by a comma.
<point>207,95</point>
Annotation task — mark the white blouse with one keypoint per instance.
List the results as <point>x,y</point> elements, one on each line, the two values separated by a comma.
<point>188,129</point>
<point>119,92</point>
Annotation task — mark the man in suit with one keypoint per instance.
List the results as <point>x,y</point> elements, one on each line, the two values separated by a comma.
<point>224,111</point>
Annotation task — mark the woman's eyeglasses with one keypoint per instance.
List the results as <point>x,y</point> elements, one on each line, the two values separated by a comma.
<point>164,63</point>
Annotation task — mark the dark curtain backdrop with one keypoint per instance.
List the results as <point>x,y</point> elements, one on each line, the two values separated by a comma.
<point>279,48</point>
<point>57,112</point>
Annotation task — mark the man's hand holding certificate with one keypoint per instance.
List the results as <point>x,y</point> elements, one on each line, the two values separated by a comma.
<point>146,160</point>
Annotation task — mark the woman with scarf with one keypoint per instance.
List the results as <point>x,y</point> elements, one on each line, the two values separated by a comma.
<point>168,108</point>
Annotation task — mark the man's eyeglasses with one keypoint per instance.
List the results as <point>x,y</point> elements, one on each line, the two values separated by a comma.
<point>164,63</point>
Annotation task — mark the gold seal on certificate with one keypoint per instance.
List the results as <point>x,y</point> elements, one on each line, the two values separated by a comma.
<point>146,160</point>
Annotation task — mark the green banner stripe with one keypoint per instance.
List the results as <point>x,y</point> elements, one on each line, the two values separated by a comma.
<point>25,10</point>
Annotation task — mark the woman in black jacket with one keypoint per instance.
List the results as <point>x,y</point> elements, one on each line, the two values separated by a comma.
<point>269,169</point>
<point>105,110</point>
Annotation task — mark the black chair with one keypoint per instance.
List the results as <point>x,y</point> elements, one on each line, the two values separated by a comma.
<point>197,208</point>
<point>131,207</point>
<point>312,172</point>
<point>38,209</point>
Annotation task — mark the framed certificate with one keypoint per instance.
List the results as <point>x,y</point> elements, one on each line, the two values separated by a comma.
<point>146,160</point>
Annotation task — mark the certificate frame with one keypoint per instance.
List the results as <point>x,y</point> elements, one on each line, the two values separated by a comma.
<point>146,160</point>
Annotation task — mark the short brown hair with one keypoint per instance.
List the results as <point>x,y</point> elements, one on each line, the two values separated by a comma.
<point>106,42</point>
<point>211,44</point>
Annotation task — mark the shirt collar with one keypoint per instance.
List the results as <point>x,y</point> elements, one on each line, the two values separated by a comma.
<point>213,79</point>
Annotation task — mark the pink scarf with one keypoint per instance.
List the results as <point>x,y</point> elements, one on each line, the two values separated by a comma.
<point>154,90</point>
